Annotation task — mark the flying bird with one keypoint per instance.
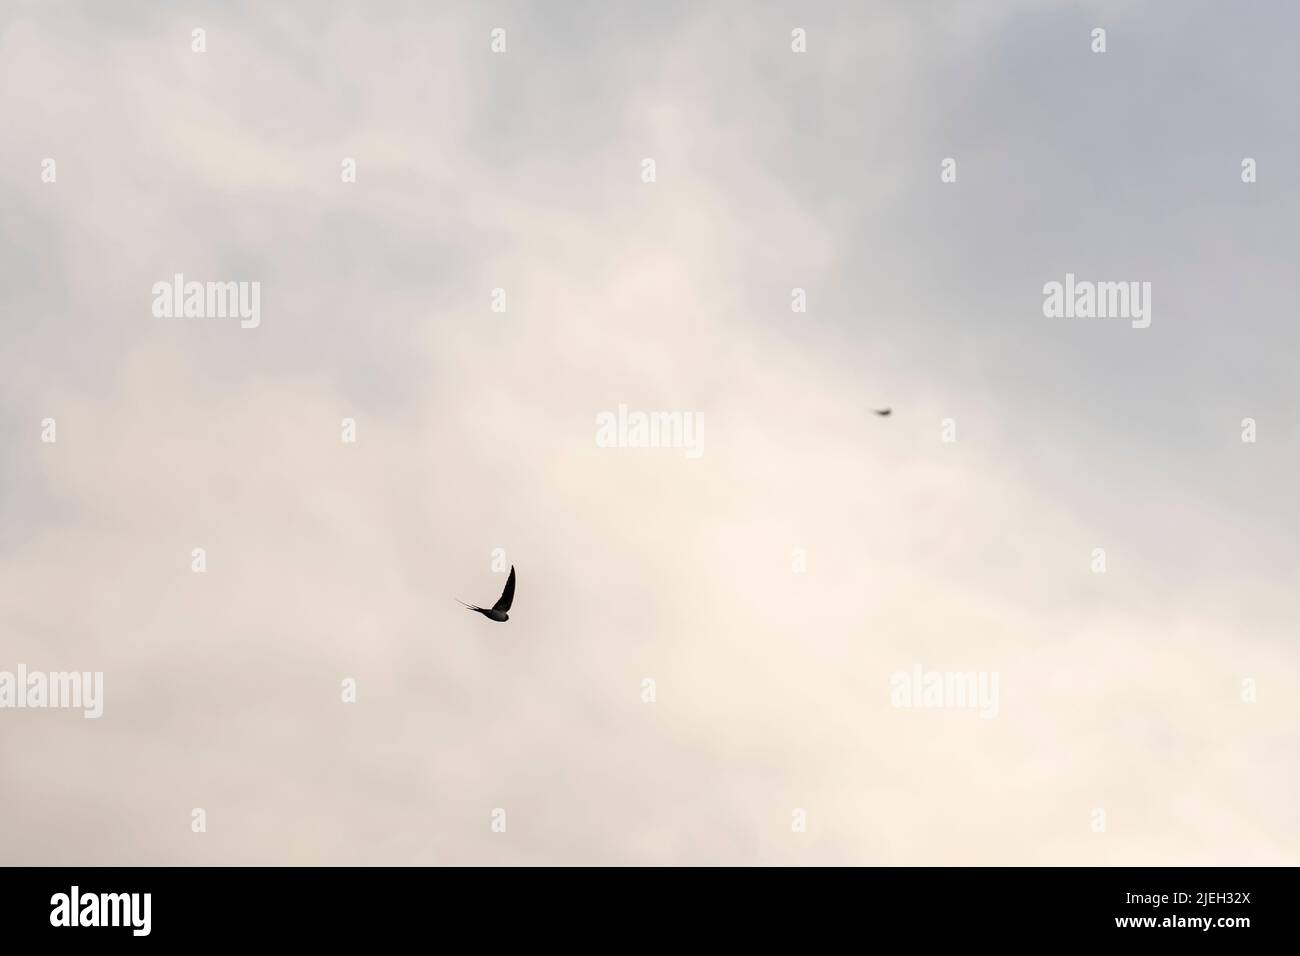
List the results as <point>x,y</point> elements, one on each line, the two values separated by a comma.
<point>882,412</point>
<point>498,611</point>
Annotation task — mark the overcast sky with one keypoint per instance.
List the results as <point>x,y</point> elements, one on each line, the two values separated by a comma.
<point>1119,691</point>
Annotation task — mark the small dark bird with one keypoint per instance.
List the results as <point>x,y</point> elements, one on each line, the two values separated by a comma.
<point>883,411</point>
<point>498,611</point>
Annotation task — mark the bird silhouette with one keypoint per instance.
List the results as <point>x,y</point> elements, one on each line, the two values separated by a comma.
<point>498,611</point>
<point>883,411</point>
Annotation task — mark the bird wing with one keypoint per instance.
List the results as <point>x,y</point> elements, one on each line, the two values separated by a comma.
<point>508,595</point>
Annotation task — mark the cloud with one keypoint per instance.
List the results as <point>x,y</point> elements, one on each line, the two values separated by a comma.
<point>476,430</point>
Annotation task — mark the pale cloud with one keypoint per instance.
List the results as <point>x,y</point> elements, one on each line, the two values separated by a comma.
<point>475,431</point>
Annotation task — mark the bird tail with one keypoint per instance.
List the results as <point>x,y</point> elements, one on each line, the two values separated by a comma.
<point>472,607</point>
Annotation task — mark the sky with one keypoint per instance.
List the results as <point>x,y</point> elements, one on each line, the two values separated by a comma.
<point>773,588</point>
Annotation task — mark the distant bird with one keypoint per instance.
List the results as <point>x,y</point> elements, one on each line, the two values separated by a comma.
<point>498,610</point>
<point>883,411</point>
